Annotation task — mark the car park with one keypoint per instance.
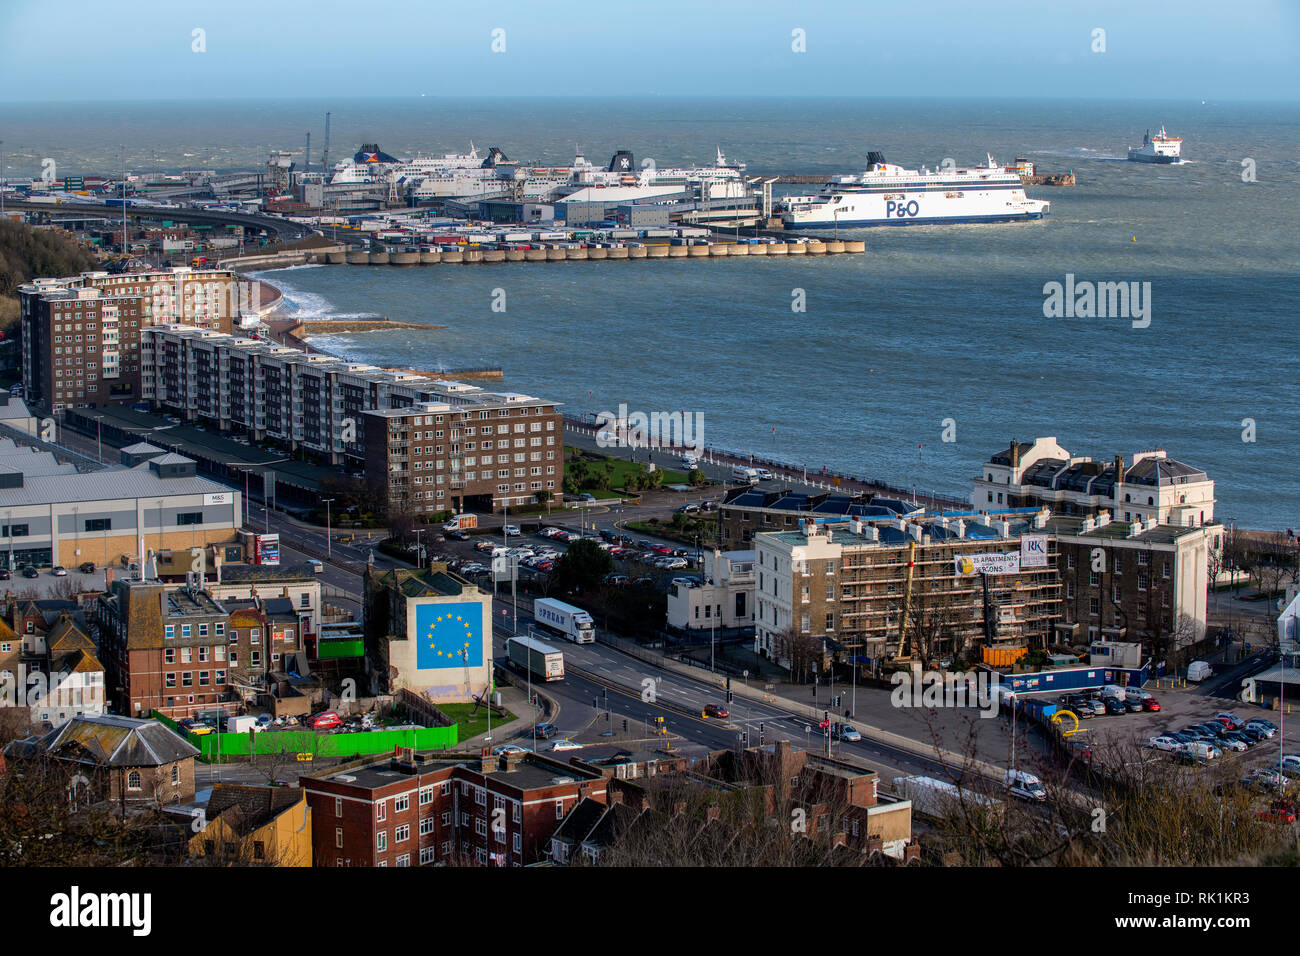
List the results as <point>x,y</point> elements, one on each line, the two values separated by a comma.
<point>1231,720</point>
<point>1094,704</point>
<point>549,532</point>
<point>1189,757</point>
<point>1278,814</point>
<point>1204,749</point>
<point>263,721</point>
<point>1254,733</point>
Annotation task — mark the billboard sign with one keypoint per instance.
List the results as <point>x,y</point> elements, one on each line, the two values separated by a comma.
<point>1033,551</point>
<point>998,563</point>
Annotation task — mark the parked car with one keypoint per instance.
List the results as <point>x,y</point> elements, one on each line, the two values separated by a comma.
<point>1246,739</point>
<point>1232,721</point>
<point>1289,762</point>
<point>1204,749</point>
<point>31,572</point>
<point>1150,703</point>
<point>5,574</point>
<point>87,567</point>
<point>716,710</point>
<point>1133,705</point>
<point>1267,728</point>
<point>1094,704</point>
<point>1189,757</point>
<point>263,720</point>
<point>511,530</point>
<point>1114,706</point>
<point>1166,742</point>
<point>1277,814</point>
<point>325,720</point>
<point>1254,733</point>
<point>565,743</point>
<point>1266,779</point>
<point>1233,743</point>
<point>59,571</point>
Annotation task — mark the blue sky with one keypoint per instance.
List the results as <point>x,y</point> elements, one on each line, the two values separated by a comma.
<point>143,49</point>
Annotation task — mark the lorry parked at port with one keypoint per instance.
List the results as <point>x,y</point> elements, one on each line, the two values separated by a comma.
<point>528,654</point>
<point>565,619</point>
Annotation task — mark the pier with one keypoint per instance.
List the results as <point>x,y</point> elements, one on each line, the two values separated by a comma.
<point>477,256</point>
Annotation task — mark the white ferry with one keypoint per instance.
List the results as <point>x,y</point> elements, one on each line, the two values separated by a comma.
<point>889,195</point>
<point>1161,148</point>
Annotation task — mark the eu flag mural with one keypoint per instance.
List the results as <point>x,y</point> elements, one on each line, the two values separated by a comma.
<point>449,635</point>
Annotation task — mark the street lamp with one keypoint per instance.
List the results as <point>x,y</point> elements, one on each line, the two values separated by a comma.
<point>329,553</point>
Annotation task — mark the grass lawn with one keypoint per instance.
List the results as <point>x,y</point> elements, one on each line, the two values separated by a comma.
<point>622,470</point>
<point>472,726</point>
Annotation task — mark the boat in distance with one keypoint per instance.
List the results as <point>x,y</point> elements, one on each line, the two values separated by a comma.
<point>886,194</point>
<point>1161,148</point>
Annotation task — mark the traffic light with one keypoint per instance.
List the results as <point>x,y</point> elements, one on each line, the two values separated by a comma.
<point>624,725</point>
<point>595,703</point>
<point>728,697</point>
<point>760,734</point>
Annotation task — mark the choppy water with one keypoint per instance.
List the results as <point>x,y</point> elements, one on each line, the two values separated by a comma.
<point>933,323</point>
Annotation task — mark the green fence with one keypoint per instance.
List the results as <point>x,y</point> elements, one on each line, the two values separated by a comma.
<point>330,650</point>
<point>310,744</point>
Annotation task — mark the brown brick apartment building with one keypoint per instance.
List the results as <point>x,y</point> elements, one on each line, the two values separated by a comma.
<point>422,809</point>
<point>81,336</point>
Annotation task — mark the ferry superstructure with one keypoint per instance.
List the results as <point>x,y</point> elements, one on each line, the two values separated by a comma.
<point>889,195</point>
<point>1161,148</point>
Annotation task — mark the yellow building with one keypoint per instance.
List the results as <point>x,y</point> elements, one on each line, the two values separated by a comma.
<point>255,826</point>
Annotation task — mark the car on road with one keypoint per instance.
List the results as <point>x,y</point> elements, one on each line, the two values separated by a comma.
<point>59,571</point>
<point>545,731</point>
<point>845,732</point>
<point>716,710</point>
<point>1150,703</point>
<point>458,535</point>
<point>764,474</point>
<point>564,743</point>
<point>687,509</point>
<point>317,565</point>
<point>31,572</point>
<point>325,720</point>
<point>511,530</point>
<point>1166,742</point>
<point>509,749</point>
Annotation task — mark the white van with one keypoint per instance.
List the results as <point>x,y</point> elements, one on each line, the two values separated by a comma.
<point>1198,671</point>
<point>743,475</point>
<point>1025,785</point>
<point>1203,749</point>
<point>764,474</point>
<point>1113,690</point>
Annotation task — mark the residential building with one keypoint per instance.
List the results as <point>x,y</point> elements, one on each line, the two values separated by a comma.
<point>935,586</point>
<point>723,599</point>
<point>52,514</point>
<point>255,826</point>
<point>747,511</point>
<point>427,809</point>
<point>428,631</point>
<point>81,341</point>
<point>419,440</point>
<point>297,584</point>
<point>1132,581</point>
<point>123,760</point>
<point>1042,473</point>
<point>165,648</point>
<point>49,662</point>
<point>470,452</point>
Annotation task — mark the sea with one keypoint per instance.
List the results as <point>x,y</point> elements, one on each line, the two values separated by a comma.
<point>910,364</point>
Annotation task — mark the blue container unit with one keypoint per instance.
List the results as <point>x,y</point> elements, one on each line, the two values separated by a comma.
<point>1067,680</point>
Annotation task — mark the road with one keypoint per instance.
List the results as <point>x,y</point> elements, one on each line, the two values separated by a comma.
<point>281,227</point>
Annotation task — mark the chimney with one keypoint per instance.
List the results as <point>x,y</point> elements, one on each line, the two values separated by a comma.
<point>1004,529</point>
<point>856,526</point>
<point>915,531</point>
<point>943,522</point>
<point>1103,518</point>
<point>1089,524</point>
<point>1119,468</point>
<point>959,529</point>
<point>1015,453</point>
<point>830,533</point>
<point>1040,519</point>
<point>900,524</point>
<point>871,532</point>
<point>487,761</point>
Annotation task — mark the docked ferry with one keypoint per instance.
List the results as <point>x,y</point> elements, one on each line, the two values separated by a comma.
<point>889,195</point>
<point>1161,148</point>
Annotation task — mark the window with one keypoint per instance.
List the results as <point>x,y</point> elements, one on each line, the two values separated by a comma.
<point>338,806</point>
<point>169,655</point>
<point>338,837</point>
<point>133,780</point>
<point>304,600</point>
<point>402,833</point>
<point>446,789</point>
<point>446,818</point>
<point>169,631</point>
<point>381,840</point>
<point>559,809</point>
<point>404,860</point>
<point>382,810</point>
<point>98,524</point>
<point>402,804</point>
<point>426,826</point>
<point>189,517</point>
<point>426,855</point>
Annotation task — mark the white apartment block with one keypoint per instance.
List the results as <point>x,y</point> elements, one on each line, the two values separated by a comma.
<point>1041,472</point>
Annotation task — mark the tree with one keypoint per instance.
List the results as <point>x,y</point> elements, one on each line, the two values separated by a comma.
<point>544,497</point>
<point>582,567</point>
<point>697,478</point>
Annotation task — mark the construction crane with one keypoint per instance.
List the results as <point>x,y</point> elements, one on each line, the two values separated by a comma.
<point>907,596</point>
